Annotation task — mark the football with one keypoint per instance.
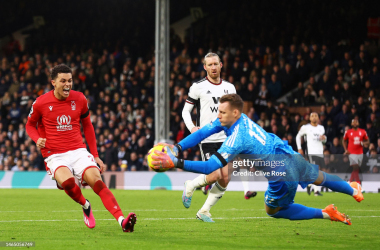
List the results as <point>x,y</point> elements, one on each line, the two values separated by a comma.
<point>151,153</point>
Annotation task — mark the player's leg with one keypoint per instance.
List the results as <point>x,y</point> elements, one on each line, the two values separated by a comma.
<point>354,163</point>
<point>335,183</point>
<point>317,160</point>
<point>66,180</point>
<point>200,181</point>
<point>286,209</point>
<point>320,161</point>
<point>247,192</point>
<point>215,194</point>
<point>207,149</point>
<point>92,177</point>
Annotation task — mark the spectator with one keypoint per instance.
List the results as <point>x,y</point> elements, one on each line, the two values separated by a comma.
<point>336,148</point>
<point>373,162</point>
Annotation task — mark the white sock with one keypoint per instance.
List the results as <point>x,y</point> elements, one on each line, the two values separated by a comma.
<point>120,220</point>
<point>86,205</point>
<point>317,188</point>
<point>355,192</point>
<point>244,181</point>
<point>198,182</point>
<point>215,194</point>
<point>326,215</point>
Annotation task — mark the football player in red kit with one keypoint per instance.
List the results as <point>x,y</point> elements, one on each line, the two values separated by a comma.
<point>54,125</point>
<point>356,138</point>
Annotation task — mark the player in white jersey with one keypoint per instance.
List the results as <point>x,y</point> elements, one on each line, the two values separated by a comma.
<point>205,95</point>
<point>315,137</point>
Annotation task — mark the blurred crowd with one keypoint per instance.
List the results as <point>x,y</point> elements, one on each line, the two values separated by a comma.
<point>342,78</point>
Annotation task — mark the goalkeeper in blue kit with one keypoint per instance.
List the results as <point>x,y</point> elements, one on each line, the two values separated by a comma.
<point>245,137</point>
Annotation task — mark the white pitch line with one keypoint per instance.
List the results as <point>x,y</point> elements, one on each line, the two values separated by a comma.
<point>153,219</point>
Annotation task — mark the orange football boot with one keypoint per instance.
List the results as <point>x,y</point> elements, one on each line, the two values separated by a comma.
<point>359,196</point>
<point>335,215</point>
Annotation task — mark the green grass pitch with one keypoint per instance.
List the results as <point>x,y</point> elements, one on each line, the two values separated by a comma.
<point>53,221</point>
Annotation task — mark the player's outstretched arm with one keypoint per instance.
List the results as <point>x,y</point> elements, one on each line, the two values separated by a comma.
<point>203,167</point>
<point>165,161</point>
<point>199,135</point>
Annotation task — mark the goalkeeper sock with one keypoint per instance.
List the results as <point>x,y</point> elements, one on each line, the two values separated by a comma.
<point>335,183</point>
<point>72,190</point>
<point>108,199</point>
<point>299,212</point>
<point>215,194</point>
<point>198,182</point>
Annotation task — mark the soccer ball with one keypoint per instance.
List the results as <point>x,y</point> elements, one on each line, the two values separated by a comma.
<point>149,158</point>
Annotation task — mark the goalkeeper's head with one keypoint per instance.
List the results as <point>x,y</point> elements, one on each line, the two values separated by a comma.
<point>230,109</point>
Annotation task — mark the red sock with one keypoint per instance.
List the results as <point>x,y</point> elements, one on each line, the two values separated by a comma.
<point>357,177</point>
<point>72,190</point>
<point>108,199</point>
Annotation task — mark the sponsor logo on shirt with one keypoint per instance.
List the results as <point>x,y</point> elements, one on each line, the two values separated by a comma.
<point>64,123</point>
<point>357,140</point>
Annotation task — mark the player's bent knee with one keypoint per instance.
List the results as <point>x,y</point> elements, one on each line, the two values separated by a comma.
<point>91,176</point>
<point>213,177</point>
<point>68,184</point>
<point>99,186</point>
<point>320,178</point>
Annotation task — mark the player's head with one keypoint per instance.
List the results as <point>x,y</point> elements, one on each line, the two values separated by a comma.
<point>355,123</point>
<point>230,109</point>
<point>212,65</point>
<point>314,118</point>
<point>62,80</point>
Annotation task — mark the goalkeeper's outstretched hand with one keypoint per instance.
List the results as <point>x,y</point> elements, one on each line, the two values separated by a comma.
<point>173,148</point>
<point>164,160</point>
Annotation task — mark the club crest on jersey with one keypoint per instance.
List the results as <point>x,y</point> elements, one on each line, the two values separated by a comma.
<point>64,123</point>
<point>73,105</point>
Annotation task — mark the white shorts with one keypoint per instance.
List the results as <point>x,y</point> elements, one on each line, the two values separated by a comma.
<point>355,159</point>
<point>77,161</point>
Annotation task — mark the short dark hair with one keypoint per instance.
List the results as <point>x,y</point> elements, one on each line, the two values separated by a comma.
<point>234,100</point>
<point>61,68</point>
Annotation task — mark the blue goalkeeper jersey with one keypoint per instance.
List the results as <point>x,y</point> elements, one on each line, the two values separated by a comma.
<point>243,137</point>
<point>247,138</point>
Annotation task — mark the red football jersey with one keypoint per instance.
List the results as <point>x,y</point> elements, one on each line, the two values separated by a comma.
<point>355,139</point>
<point>59,121</point>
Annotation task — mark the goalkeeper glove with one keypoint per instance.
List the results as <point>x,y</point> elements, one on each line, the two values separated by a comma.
<point>176,149</point>
<point>167,160</point>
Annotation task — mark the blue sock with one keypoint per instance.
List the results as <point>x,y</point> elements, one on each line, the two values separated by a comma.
<point>335,183</point>
<point>298,212</point>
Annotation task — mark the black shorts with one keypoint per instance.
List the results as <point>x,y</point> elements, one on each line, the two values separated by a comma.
<point>208,149</point>
<point>317,160</point>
